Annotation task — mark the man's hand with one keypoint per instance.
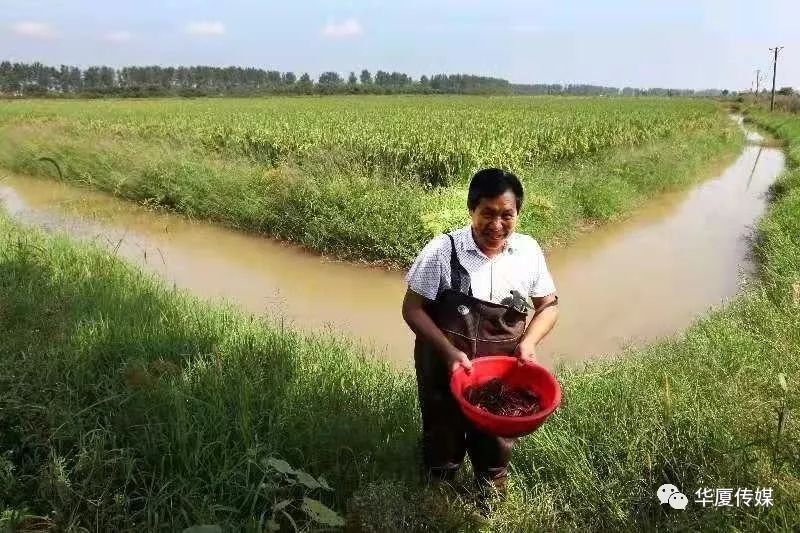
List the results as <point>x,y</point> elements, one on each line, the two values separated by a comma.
<point>420,323</point>
<point>457,358</point>
<point>543,321</point>
<point>526,353</point>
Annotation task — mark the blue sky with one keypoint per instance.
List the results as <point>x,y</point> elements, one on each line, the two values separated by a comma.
<point>693,44</point>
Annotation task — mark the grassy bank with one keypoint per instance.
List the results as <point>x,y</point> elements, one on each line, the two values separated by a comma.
<point>124,405</point>
<point>128,406</point>
<point>327,198</point>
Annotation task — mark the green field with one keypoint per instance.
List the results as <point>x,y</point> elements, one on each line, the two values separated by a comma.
<point>371,178</point>
<point>126,405</point>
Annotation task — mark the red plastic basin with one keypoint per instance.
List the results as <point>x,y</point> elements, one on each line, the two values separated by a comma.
<point>531,376</point>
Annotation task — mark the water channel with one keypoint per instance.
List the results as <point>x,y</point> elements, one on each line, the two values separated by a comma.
<point>620,285</point>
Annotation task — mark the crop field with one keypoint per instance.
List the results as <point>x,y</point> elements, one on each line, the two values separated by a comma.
<point>435,140</point>
<point>317,171</point>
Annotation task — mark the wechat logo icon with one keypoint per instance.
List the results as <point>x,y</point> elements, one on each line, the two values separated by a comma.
<point>670,494</point>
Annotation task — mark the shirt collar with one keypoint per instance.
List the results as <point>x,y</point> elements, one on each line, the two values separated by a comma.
<point>469,242</point>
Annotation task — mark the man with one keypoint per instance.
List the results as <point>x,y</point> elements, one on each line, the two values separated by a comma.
<point>466,298</point>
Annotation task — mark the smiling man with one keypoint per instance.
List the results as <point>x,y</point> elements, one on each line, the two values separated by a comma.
<point>467,297</point>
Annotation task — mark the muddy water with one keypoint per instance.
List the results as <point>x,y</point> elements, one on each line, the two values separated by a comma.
<point>620,285</point>
<point>652,275</point>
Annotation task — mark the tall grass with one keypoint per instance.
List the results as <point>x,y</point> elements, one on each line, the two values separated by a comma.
<point>127,406</point>
<point>435,140</point>
<point>330,203</point>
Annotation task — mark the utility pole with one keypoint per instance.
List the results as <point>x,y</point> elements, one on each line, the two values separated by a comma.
<point>755,94</point>
<point>774,68</point>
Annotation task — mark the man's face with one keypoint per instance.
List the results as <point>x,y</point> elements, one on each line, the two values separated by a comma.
<point>493,220</point>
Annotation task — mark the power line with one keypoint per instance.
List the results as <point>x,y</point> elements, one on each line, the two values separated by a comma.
<point>774,69</point>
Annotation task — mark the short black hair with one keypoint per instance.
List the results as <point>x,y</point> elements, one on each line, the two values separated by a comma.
<point>491,183</point>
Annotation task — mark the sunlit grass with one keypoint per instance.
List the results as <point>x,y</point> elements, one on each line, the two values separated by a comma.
<point>330,202</point>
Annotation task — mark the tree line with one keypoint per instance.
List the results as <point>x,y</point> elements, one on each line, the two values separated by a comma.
<point>600,90</point>
<point>37,79</point>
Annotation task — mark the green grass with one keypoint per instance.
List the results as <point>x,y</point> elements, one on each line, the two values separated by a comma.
<point>327,200</point>
<point>127,406</point>
<point>430,139</point>
<point>136,393</point>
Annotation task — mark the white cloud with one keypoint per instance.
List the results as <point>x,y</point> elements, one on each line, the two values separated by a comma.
<point>342,30</point>
<point>34,30</point>
<point>117,37</point>
<point>206,28</point>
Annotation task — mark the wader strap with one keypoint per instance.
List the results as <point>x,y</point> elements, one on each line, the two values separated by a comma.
<point>457,270</point>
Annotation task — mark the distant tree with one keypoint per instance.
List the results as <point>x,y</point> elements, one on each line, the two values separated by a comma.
<point>329,82</point>
<point>7,81</point>
<point>366,77</point>
<point>304,84</point>
<point>398,80</point>
<point>381,78</point>
<point>107,77</point>
<point>289,78</point>
<point>352,80</point>
<point>785,91</point>
<point>330,78</point>
<point>167,79</point>
<point>91,77</point>
<point>274,78</point>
